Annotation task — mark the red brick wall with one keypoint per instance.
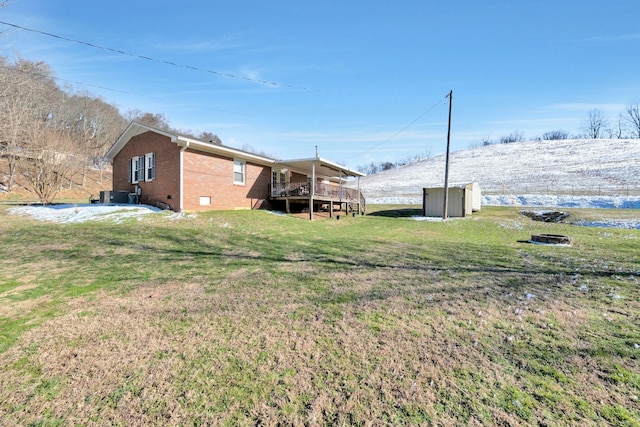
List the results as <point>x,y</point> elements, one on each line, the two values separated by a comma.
<point>210,175</point>
<point>205,174</point>
<point>165,187</point>
<point>298,177</point>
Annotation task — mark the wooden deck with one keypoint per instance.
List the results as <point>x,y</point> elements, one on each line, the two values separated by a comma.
<point>322,198</point>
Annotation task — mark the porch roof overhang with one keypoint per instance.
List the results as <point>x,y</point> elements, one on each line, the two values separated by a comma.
<point>323,167</point>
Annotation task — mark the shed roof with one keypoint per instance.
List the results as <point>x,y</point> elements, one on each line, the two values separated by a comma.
<point>453,185</point>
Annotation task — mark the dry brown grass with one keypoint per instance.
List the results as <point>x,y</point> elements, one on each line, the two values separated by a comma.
<point>301,335</point>
<point>152,355</point>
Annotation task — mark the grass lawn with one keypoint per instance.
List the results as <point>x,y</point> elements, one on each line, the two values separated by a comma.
<point>250,318</point>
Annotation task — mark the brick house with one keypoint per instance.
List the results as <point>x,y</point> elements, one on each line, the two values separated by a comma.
<point>166,169</point>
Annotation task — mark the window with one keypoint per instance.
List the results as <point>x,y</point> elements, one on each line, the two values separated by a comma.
<point>136,170</point>
<point>205,200</point>
<point>239,168</point>
<point>140,169</point>
<point>150,160</point>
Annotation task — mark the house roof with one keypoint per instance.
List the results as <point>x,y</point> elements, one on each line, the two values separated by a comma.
<point>136,128</point>
<point>323,167</point>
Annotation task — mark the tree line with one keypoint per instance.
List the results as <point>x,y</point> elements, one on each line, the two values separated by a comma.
<point>375,167</point>
<point>626,125</point>
<point>49,134</point>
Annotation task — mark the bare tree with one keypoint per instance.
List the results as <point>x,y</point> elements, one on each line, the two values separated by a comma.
<point>48,162</point>
<point>385,166</point>
<point>595,125</point>
<point>44,130</point>
<point>158,120</point>
<point>620,128</point>
<point>486,141</point>
<point>512,137</point>
<point>93,124</point>
<point>632,117</point>
<point>42,149</point>
<point>211,137</point>
<point>555,135</point>
<point>26,94</point>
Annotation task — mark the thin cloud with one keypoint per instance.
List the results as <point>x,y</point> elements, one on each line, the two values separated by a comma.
<point>222,43</point>
<point>615,38</point>
<point>585,106</point>
<point>356,137</point>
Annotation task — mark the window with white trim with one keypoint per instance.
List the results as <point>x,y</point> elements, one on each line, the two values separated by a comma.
<point>136,169</point>
<point>239,172</point>
<point>150,160</point>
<point>141,168</point>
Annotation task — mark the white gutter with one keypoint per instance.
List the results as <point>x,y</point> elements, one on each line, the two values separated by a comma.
<point>226,151</point>
<point>182,150</point>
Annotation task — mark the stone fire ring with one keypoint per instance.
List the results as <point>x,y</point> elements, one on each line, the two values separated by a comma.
<point>551,239</point>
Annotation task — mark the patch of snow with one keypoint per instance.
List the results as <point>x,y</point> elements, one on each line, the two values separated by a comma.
<point>70,213</point>
<point>395,200</point>
<point>533,242</point>
<point>176,215</point>
<point>427,218</point>
<point>529,200</point>
<point>626,224</point>
<point>563,201</point>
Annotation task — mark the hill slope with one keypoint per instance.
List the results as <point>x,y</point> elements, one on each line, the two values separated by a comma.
<point>567,167</point>
<point>94,182</point>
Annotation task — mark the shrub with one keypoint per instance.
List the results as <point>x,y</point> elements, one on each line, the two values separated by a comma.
<point>555,135</point>
<point>512,137</point>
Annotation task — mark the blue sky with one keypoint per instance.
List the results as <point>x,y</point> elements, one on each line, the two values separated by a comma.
<point>362,80</point>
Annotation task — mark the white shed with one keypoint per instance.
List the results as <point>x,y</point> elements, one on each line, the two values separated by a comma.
<point>463,199</point>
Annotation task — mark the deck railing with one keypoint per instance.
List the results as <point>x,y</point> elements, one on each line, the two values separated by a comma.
<point>321,190</point>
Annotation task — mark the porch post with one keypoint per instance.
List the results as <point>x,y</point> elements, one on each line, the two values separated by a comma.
<point>359,197</point>
<point>340,205</point>
<point>312,190</point>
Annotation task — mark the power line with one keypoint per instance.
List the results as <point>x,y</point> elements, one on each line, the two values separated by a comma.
<point>149,58</point>
<point>79,83</point>
<point>35,73</point>
<point>401,130</point>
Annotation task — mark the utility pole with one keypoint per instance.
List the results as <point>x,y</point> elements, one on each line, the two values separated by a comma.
<point>445,212</point>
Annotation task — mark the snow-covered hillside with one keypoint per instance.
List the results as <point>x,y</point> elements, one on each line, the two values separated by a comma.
<point>557,168</point>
